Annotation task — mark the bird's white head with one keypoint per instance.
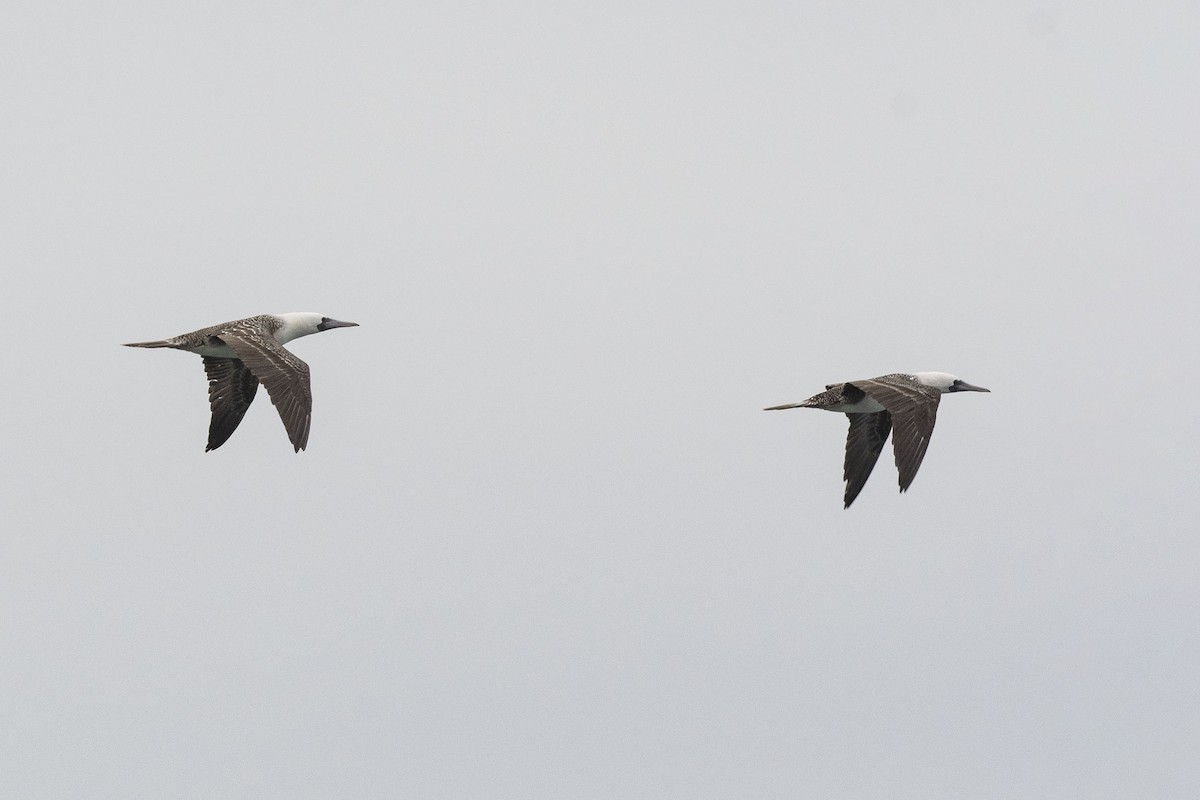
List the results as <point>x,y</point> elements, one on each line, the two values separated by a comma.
<point>303,323</point>
<point>944,382</point>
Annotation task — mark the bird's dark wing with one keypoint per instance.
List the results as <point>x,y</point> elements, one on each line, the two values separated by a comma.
<point>284,375</point>
<point>864,443</point>
<point>913,408</point>
<point>231,389</point>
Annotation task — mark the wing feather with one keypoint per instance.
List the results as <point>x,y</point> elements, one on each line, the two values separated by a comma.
<point>231,389</point>
<point>913,409</point>
<point>285,377</point>
<point>864,443</point>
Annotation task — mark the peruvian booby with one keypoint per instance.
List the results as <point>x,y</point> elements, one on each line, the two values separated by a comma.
<point>241,354</point>
<point>906,403</point>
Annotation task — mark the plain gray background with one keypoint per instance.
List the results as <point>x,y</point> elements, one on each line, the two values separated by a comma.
<point>544,543</point>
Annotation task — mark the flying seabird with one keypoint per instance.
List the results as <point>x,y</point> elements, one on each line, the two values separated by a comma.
<point>241,354</point>
<point>875,406</point>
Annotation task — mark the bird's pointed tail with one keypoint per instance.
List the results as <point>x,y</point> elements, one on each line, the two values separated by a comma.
<point>789,405</point>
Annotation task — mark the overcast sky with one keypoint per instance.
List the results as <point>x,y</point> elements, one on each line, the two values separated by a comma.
<point>544,543</point>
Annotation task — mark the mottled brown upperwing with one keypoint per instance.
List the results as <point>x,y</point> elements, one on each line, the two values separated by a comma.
<point>913,409</point>
<point>864,443</point>
<point>231,389</point>
<point>285,377</point>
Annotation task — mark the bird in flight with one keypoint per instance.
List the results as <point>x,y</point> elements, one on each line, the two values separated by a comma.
<point>901,404</point>
<point>241,354</point>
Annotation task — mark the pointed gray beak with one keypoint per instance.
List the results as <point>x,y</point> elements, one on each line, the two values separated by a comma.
<point>963,386</point>
<point>336,323</point>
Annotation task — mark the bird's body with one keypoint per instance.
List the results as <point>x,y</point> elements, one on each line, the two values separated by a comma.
<point>241,354</point>
<point>904,405</point>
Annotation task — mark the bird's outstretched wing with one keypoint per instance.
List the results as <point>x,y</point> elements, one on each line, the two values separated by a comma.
<point>231,388</point>
<point>913,408</point>
<point>864,443</point>
<point>285,376</point>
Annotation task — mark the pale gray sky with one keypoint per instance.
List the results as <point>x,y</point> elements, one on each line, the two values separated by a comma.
<point>543,543</point>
